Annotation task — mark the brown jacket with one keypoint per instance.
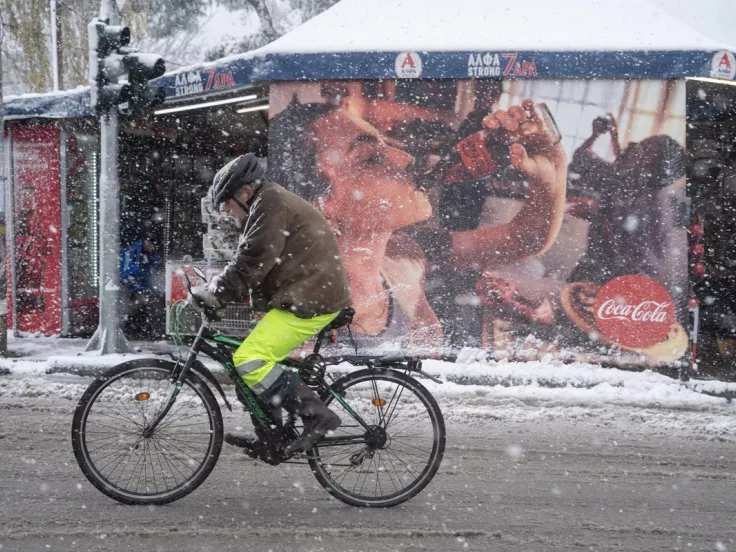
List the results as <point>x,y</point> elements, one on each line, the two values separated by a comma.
<point>287,258</point>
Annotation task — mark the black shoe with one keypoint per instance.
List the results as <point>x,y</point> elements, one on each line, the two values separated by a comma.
<point>241,441</point>
<point>302,444</point>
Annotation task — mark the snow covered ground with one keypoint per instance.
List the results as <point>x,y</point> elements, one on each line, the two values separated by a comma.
<point>540,456</point>
<point>516,476</point>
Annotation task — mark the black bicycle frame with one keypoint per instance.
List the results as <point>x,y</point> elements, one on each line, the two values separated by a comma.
<point>264,417</point>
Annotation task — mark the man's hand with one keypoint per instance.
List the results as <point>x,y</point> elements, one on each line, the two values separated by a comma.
<point>201,298</point>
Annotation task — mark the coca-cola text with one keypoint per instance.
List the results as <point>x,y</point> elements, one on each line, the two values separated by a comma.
<point>646,311</point>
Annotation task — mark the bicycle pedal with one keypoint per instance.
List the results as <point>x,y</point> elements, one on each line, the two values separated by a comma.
<point>301,456</point>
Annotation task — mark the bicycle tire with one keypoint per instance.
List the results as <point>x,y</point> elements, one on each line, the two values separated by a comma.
<point>321,470</point>
<point>162,369</point>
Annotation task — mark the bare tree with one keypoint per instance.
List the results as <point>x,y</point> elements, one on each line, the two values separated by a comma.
<point>163,26</point>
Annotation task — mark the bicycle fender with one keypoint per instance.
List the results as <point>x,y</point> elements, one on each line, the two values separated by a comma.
<point>205,372</point>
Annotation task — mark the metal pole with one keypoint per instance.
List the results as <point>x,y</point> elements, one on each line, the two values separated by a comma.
<point>3,237</point>
<point>63,181</point>
<point>108,337</point>
<point>54,46</point>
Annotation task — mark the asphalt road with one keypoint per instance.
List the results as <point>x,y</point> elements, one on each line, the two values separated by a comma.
<point>598,480</point>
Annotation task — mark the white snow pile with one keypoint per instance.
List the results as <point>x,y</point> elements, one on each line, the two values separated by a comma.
<point>474,390</point>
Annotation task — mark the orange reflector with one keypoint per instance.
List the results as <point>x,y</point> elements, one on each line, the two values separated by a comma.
<point>379,402</point>
<point>142,396</point>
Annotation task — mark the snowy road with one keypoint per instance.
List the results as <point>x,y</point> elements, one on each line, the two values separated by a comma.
<point>517,475</point>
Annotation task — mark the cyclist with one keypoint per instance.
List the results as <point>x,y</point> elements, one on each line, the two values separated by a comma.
<point>288,261</point>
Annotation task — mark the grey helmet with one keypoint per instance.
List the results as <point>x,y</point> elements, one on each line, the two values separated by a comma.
<point>241,171</point>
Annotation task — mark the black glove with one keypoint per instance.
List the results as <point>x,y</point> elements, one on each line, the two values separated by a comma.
<point>201,298</point>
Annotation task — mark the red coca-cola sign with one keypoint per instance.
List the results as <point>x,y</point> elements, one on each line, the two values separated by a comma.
<point>634,311</point>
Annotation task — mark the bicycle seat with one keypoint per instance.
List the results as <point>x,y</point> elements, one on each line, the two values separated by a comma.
<point>343,319</point>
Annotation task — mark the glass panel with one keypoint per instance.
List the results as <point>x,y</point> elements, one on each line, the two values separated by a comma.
<point>674,127</point>
<point>574,90</point>
<point>548,88</point>
<point>82,233</point>
<point>642,127</point>
<point>568,144</point>
<point>677,100</point>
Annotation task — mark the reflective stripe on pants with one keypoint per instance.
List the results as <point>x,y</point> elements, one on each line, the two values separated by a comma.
<point>260,371</point>
<point>274,337</point>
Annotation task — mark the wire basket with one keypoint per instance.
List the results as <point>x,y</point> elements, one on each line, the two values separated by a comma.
<point>184,320</point>
<point>237,320</point>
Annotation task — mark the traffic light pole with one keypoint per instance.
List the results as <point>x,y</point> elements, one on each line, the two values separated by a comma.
<point>109,338</point>
<point>109,59</point>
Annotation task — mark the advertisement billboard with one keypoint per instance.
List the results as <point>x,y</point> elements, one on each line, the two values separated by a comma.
<point>530,218</point>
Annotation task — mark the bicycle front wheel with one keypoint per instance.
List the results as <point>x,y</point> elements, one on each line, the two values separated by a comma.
<point>400,454</point>
<point>108,441</point>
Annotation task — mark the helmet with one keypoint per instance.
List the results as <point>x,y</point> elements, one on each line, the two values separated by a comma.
<point>228,181</point>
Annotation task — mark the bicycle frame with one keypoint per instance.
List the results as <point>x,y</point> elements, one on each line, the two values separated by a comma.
<point>179,375</point>
<point>263,416</point>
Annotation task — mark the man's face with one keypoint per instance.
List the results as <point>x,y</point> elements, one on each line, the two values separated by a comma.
<point>235,212</point>
<point>371,184</point>
<point>231,207</point>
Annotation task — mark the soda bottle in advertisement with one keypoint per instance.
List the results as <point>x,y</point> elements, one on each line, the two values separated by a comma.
<point>485,153</point>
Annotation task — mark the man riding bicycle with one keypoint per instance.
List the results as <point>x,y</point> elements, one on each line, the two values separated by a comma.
<point>288,261</point>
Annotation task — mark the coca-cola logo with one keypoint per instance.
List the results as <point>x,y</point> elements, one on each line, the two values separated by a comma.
<point>646,311</point>
<point>634,311</point>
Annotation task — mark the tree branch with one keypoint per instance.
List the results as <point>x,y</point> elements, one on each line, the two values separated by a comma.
<point>265,16</point>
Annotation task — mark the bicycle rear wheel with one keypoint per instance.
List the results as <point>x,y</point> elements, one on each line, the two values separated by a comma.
<point>108,441</point>
<point>401,453</point>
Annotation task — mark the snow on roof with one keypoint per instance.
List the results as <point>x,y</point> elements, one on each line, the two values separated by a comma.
<point>471,25</point>
<point>357,39</point>
<point>52,105</point>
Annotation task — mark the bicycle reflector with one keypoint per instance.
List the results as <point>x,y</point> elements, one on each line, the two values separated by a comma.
<point>142,396</point>
<point>379,402</point>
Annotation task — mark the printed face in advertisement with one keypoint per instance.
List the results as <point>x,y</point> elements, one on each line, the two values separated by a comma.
<point>369,175</point>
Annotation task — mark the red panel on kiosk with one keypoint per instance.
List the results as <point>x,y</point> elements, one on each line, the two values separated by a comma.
<point>37,229</point>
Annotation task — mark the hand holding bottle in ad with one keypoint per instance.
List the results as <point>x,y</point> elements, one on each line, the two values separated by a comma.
<point>534,142</point>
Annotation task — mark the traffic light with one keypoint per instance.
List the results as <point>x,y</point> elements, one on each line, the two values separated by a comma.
<point>142,68</point>
<point>110,60</point>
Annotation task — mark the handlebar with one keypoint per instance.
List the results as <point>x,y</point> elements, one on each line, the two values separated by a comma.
<point>209,314</point>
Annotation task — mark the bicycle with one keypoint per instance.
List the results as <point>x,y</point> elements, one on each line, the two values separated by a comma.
<point>131,446</point>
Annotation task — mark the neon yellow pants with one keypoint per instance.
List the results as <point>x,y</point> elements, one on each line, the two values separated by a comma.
<point>274,337</point>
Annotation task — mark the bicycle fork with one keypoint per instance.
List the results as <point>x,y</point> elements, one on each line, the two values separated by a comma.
<point>178,381</point>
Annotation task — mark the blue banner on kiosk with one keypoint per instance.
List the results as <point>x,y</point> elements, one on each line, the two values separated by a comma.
<point>235,73</point>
